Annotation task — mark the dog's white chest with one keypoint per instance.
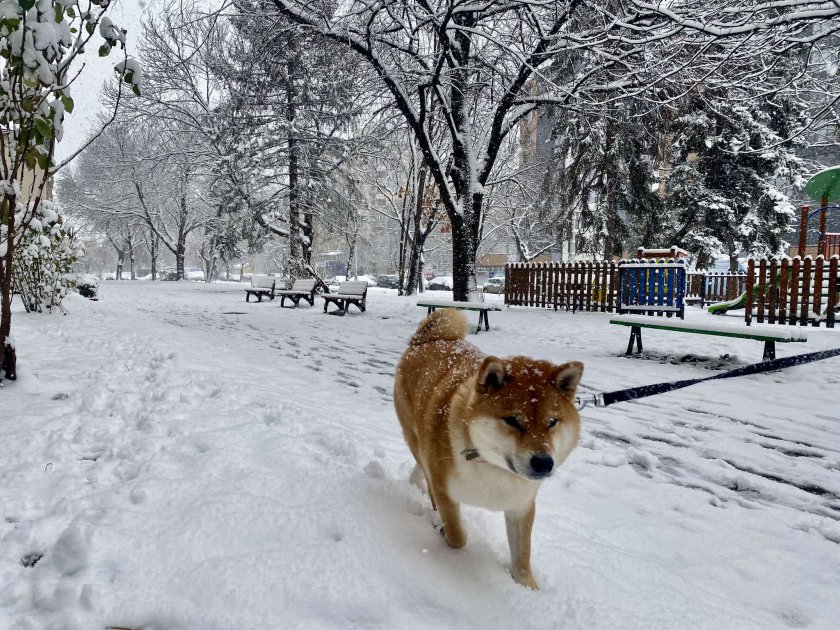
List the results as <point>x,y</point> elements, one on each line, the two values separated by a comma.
<point>485,485</point>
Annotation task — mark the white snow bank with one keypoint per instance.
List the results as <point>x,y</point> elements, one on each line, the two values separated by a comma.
<point>181,459</point>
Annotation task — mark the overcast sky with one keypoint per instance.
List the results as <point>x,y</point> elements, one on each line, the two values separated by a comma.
<point>87,90</point>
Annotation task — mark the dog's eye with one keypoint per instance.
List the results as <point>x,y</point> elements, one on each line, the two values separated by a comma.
<point>513,422</point>
<point>552,422</point>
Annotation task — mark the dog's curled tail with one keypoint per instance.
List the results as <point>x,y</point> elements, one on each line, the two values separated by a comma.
<point>444,325</point>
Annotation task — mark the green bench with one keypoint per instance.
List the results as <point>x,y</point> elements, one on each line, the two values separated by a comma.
<point>770,335</point>
<point>481,307</point>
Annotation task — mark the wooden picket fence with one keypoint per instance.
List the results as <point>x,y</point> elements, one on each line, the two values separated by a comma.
<point>715,286</point>
<point>584,286</point>
<point>792,291</point>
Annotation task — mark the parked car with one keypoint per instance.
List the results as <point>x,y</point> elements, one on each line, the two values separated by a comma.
<point>388,281</point>
<point>371,282</point>
<point>441,283</point>
<point>494,285</point>
<point>193,273</point>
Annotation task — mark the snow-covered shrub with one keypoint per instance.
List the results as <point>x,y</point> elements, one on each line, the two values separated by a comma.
<point>44,257</point>
<point>87,285</point>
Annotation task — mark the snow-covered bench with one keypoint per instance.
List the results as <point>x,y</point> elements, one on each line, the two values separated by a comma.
<point>768,334</point>
<point>481,307</point>
<point>349,292</point>
<point>302,289</point>
<point>261,286</point>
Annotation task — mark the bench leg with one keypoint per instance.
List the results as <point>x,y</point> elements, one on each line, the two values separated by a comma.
<point>430,310</point>
<point>247,297</point>
<point>482,316</point>
<point>769,350</point>
<point>342,307</point>
<point>282,301</point>
<point>635,336</point>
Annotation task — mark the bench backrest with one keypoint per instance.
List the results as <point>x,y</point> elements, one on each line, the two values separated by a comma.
<point>262,282</point>
<point>655,287</point>
<point>303,284</point>
<point>353,287</point>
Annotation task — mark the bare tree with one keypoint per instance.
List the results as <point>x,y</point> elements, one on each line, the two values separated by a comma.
<point>481,67</point>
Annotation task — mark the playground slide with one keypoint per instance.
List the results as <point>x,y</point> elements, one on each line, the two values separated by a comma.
<point>739,302</point>
<point>720,308</point>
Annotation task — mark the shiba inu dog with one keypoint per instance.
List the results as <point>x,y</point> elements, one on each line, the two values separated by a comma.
<point>483,430</point>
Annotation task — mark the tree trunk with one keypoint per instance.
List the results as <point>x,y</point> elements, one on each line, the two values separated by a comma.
<point>120,263</point>
<point>6,280</point>
<point>413,279</point>
<point>297,255</point>
<point>733,254</point>
<point>131,259</point>
<point>414,283</point>
<point>465,223</point>
<point>181,244</point>
<point>463,260</point>
<point>351,241</point>
<point>308,235</point>
<point>180,252</point>
<point>153,252</point>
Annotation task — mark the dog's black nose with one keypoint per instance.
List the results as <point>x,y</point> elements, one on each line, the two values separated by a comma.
<point>542,463</point>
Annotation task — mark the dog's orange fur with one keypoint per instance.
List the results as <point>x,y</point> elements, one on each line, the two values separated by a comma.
<point>452,401</point>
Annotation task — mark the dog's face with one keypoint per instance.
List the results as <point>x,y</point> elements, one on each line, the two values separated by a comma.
<point>523,416</point>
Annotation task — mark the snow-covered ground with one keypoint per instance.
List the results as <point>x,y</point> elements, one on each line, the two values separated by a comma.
<point>182,459</point>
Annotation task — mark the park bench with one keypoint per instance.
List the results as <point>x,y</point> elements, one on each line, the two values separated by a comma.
<point>481,307</point>
<point>261,286</point>
<point>302,289</point>
<point>770,335</point>
<point>349,292</point>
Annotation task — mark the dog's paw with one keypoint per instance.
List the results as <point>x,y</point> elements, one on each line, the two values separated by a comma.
<point>456,539</point>
<point>526,579</point>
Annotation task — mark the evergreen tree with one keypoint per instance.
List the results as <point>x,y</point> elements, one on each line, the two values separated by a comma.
<point>604,174</point>
<point>725,194</point>
<point>300,93</point>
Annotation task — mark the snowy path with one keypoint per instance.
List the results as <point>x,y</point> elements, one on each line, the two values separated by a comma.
<point>182,459</point>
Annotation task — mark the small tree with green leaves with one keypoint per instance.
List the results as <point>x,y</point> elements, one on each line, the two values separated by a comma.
<point>39,42</point>
<point>45,257</point>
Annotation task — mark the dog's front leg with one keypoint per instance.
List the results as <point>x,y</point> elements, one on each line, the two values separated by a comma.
<point>450,514</point>
<point>519,526</point>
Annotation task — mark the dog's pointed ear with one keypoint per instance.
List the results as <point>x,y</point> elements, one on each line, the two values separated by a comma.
<point>567,376</point>
<point>491,374</point>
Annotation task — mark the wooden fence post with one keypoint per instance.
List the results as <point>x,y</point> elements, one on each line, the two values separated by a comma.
<point>783,292</point>
<point>762,297</point>
<point>750,283</point>
<point>832,292</point>
<point>818,289</point>
<point>795,281</point>
<point>806,288</point>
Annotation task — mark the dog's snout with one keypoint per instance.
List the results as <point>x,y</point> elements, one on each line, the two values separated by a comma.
<point>542,463</point>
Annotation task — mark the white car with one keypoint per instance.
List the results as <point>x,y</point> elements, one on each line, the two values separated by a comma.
<point>193,273</point>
